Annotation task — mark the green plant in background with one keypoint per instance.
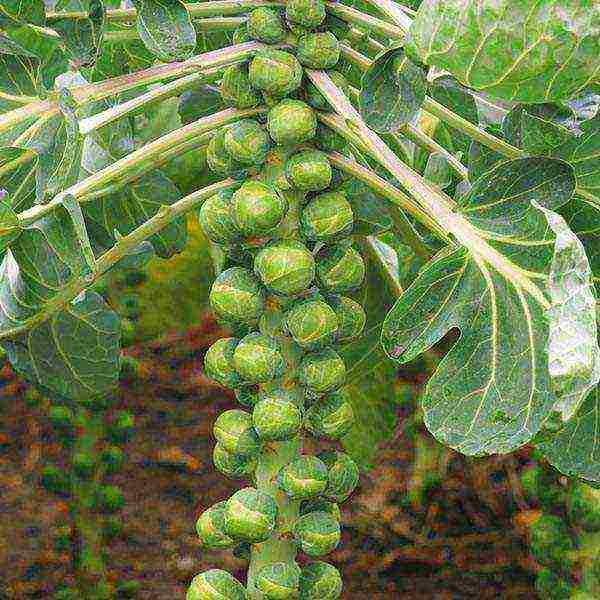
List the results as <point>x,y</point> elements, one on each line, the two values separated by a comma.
<point>375,184</point>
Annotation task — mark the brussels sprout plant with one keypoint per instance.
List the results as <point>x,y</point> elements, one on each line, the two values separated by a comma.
<point>361,202</point>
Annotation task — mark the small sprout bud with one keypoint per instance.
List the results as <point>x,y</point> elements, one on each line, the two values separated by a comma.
<point>265,25</point>
<point>551,586</point>
<point>234,431</point>
<point>312,323</point>
<point>218,363</point>
<point>55,480</point>
<point>550,541</point>
<point>247,395</point>
<point>309,171</point>
<point>112,458</point>
<point>279,581</point>
<point>233,465</point>
<point>219,160</point>
<point>215,218</point>
<point>350,315</point>
<point>211,528</point>
<point>317,533</point>
<point>322,371</point>
<point>343,475</point>
<point>235,88</point>
<point>306,13</point>
<point>247,142</point>
<point>276,418</point>
<point>320,581</point>
<point>250,515</point>
<point>305,477</point>
<point>257,209</point>
<point>62,419</point>
<point>110,499</point>
<point>340,268</point>
<point>318,101</point>
<point>275,72</point>
<point>258,358</point>
<point>237,296</point>
<point>216,584</point>
<point>583,506</point>
<point>330,417</point>
<point>285,267</point>
<point>326,217</point>
<point>321,505</point>
<point>84,464</point>
<point>121,428</point>
<point>318,50</point>
<point>292,122</point>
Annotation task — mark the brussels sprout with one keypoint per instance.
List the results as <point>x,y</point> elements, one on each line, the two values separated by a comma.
<point>121,428</point>
<point>306,13</point>
<point>250,515</point>
<point>343,475</point>
<point>318,50</point>
<point>340,268</point>
<point>309,170</point>
<point>241,35</point>
<point>233,465</point>
<point>541,485</point>
<point>292,122</point>
<point>258,358</point>
<point>55,480</point>
<point>312,324</point>
<point>320,581</point>
<point>279,581</point>
<point>326,217</point>
<point>275,72</point>
<point>330,417</point>
<point>583,506</point>
<point>84,464</point>
<point>234,431</point>
<point>235,88</point>
<point>112,458</point>
<point>550,586</point>
<point>247,395</point>
<point>318,101</point>
<point>265,25</point>
<point>211,528</point>
<point>320,505</point>
<point>350,315</point>
<point>330,141</point>
<point>110,499</point>
<point>285,267</point>
<point>257,209</point>
<point>322,371</point>
<point>215,585</point>
<point>237,296</point>
<point>247,142</point>
<point>305,477</point>
<point>219,160</point>
<point>550,541</point>
<point>317,533</point>
<point>62,418</point>
<point>218,362</point>
<point>276,419</point>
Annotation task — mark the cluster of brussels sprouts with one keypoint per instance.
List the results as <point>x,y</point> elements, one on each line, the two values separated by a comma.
<point>290,264</point>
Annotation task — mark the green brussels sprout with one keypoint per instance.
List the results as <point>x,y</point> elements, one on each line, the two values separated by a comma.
<point>583,506</point>
<point>279,581</point>
<point>326,217</point>
<point>550,541</point>
<point>312,324</point>
<point>62,419</point>
<point>316,99</point>
<point>306,13</point>
<point>247,142</point>
<point>285,267</point>
<point>328,140</point>
<point>320,505</point>
<point>233,465</point>
<point>235,88</point>
<point>234,431</point>
<point>265,25</point>
<point>112,458</point>
<point>276,419</point>
<point>339,268</point>
<point>241,35</point>
<point>317,533</point>
<point>215,218</point>
<point>257,209</point>
<point>216,584</point>
<point>250,515</point>
<point>550,586</point>
<point>55,480</point>
<point>322,371</point>
<point>211,528</point>
<point>110,499</point>
<point>292,122</point>
<point>219,160</point>
<point>121,428</point>
<point>305,477</point>
<point>84,464</point>
<point>541,486</point>
<point>330,417</point>
<point>309,171</point>
<point>275,72</point>
<point>258,358</point>
<point>343,475</point>
<point>237,296</point>
<point>318,50</point>
<point>247,395</point>
<point>320,581</point>
<point>350,315</point>
<point>218,362</point>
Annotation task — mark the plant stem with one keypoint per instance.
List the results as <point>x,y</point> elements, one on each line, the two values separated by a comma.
<point>372,24</point>
<point>394,11</point>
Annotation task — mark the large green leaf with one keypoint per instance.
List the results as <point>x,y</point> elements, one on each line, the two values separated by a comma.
<point>166,28</point>
<point>17,176</point>
<point>513,49</point>
<point>19,12</point>
<point>10,227</point>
